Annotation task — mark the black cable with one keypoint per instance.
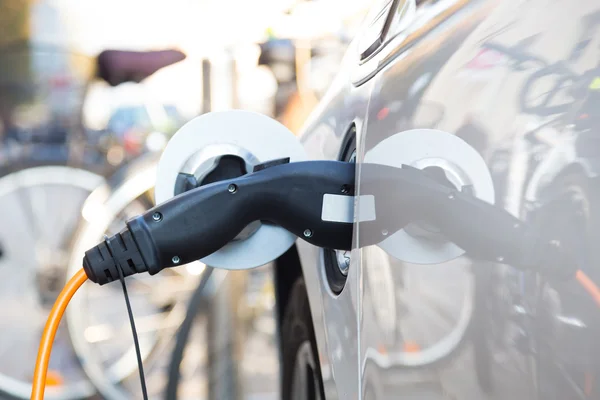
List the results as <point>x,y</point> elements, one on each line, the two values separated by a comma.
<point>136,342</point>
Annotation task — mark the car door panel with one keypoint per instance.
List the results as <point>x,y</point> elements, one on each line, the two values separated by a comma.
<point>466,73</point>
<point>334,315</point>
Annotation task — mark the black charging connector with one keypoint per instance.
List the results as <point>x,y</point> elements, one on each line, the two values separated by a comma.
<point>101,262</point>
<point>201,221</point>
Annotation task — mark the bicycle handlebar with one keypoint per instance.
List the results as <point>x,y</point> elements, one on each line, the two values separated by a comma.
<point>118,66</point>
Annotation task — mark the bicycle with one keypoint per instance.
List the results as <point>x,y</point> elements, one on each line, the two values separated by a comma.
<point>47,166</point>
<point>104,359</point>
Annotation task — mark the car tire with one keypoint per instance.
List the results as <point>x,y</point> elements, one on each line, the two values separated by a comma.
<point>300,364</point>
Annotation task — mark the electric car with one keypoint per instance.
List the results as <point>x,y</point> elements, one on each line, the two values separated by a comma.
<point>465,132</point>
<point>517,82</point>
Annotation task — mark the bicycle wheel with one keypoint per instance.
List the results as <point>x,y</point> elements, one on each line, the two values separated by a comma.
<point>183,335</point>
<point>41,208</point>
<point>229,320</point>
<point>97,319</point>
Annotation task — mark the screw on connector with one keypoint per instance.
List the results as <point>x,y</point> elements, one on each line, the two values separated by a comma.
<point>175,260</point>
<point>157,216</point>
<point>232,188</point>
<point>308,233</point>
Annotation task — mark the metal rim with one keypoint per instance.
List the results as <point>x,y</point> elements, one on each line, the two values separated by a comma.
<point>207,159</point>
<point>51,184</point>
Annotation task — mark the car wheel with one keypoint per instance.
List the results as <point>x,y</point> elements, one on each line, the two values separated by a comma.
<point>301,370</point>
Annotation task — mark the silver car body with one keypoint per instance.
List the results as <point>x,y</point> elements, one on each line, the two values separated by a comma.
<point>517,81</point>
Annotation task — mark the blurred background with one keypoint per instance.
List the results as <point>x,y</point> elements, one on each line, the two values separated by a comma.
<point>77,159</point>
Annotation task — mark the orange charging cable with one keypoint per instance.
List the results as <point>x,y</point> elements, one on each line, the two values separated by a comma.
<point>589,286</point>
<point>43,357</point>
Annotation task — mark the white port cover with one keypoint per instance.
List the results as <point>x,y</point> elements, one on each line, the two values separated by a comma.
<point>262,137</point>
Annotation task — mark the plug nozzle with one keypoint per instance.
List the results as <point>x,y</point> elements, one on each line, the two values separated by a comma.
<point>119,251</point>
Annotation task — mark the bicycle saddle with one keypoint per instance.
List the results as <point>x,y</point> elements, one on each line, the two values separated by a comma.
<point>118,66</point>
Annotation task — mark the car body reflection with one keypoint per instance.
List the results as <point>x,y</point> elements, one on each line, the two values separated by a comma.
<point>523,93</point>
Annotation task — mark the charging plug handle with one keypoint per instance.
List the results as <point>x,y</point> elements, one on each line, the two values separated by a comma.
<point>201,221</point>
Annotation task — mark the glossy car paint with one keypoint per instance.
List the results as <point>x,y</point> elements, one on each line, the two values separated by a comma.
<point>335,316</point>
<point>519,82</point>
